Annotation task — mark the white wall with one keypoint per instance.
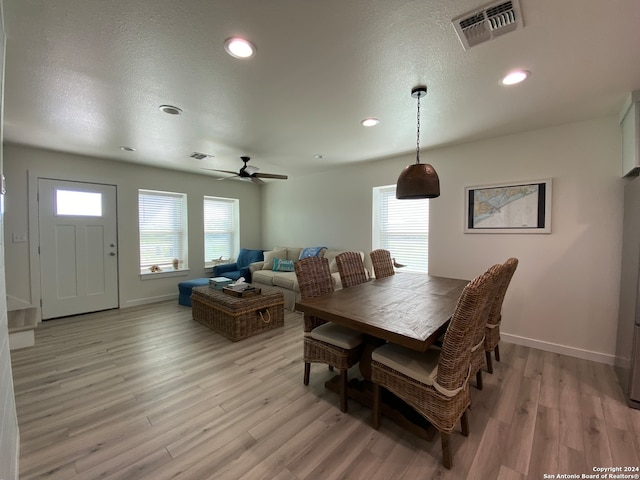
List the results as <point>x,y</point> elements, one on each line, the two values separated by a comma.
<point>128,178</point>
<point>564,295</point>
<point>9,434</point>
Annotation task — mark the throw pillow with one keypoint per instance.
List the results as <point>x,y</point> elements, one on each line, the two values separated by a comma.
<point>281,265</point>
<point>270,256</point>
<point>311,252</point>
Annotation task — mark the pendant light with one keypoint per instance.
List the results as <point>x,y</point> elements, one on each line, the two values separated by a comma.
<point>419,180</point>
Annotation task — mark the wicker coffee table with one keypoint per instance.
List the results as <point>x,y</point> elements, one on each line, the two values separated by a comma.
<point>237,318</point>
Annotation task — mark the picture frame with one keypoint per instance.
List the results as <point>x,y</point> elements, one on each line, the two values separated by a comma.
<point>516,207</point>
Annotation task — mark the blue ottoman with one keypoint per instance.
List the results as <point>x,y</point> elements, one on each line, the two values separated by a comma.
<point>184,290</point>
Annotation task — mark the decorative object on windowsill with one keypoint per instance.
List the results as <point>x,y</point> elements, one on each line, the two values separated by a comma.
<point>419,180</point>
<point>176,263</point>
<point>220,261</point>
<point>396,264</point>
<point>155,268</point>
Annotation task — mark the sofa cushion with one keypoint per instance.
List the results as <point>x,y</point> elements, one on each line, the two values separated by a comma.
<point>263,276</point>
<point>293,253</point>
<point>331,256</point>
<point>286,280</point>
<point>282,265</point>
<point>312,252</point>
<point>271,255</point>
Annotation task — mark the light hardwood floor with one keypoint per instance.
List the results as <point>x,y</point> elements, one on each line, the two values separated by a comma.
<point>148,393</point>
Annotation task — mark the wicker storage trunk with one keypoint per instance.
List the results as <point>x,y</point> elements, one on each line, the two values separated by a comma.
<point>237,318</point>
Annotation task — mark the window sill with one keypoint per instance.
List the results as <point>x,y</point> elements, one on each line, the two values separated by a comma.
<point>164,274</point>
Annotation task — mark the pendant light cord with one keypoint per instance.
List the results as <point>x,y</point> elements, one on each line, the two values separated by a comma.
<point>418,134</point>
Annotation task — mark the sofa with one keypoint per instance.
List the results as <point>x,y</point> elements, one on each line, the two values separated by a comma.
<point>276,270</point>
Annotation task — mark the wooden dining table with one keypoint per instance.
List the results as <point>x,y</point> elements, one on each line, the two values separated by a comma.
<point>409,309</point>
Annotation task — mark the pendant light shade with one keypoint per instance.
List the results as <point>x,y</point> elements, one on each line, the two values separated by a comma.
<point>419,180</point>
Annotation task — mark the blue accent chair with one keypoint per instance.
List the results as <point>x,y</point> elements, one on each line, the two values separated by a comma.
<point>241,266</point>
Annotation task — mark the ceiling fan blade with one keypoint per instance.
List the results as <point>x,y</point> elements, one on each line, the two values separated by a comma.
<point>223,171</point>
<point>256,180</point>
<point>270,175</point>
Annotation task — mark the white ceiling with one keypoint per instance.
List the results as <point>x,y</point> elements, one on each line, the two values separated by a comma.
<point>88,76</point>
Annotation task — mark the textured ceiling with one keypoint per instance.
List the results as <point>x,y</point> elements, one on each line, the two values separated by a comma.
<point>88,76</point>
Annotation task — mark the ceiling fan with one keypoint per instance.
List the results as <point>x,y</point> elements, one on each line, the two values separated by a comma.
<point>250,173</point>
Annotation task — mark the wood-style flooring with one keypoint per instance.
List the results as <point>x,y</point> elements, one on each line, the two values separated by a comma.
<point>148,393</point>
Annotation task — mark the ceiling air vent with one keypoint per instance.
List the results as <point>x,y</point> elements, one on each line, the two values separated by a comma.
<point>487,22</point>
<point>200,156</point>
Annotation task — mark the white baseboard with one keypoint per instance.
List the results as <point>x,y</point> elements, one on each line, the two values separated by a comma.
<point>17,460</point>
<point>561,349</point>
<point>146,301</point>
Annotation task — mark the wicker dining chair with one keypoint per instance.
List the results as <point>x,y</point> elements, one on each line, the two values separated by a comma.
<point>435,383</point>
<point>492,331</point>
<point>351,269</point>
<point>382,263</point>
<point>325,342</point>
<point>495,276</point>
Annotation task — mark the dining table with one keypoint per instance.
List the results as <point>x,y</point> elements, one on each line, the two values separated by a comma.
<point>409,309</point>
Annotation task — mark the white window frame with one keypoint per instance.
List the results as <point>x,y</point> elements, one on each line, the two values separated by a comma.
<point>407,236</point>
<point>231,228</point>
<point>178,230</point>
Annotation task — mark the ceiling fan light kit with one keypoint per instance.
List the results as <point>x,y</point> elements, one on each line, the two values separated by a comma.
<point>419,180</point>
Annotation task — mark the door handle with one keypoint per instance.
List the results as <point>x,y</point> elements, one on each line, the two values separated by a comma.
<point>113,254</point>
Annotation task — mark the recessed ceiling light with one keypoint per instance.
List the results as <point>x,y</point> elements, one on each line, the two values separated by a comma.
<point>514,77</point>
<point>170,109</point>
<point>125,148</point>
<point>239,47</point>
<point>370,122</point>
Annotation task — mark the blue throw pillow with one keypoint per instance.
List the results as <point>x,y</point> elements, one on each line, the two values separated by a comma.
<point>280,265</point>
<point>311,252</point>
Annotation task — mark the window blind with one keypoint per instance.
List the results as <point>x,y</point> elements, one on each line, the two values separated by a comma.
<point>221,227</point>
<point>402,227</point>
<point>163,228</point>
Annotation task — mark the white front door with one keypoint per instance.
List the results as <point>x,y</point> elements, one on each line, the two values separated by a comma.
<point>78,247</point>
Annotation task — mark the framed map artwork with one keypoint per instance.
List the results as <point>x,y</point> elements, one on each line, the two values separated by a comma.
<point>509,208</point>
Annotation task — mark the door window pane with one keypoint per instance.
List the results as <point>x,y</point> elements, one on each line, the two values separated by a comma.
<point>83,204</point>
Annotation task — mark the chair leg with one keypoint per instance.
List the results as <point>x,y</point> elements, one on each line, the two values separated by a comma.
<point>343,390</point>
<point>497,353</point>
<point>447,459</point>
<point>479,379</point>
<point>489,362</point>
<point>376,405</point>
<point>464,424</point>
<point>307,371</point>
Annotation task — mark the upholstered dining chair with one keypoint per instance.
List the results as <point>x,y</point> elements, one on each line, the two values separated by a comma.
<point>435,383</point>
<point>495,277</point>
<point>351,269</point>
<point>325,342</point>
<point>382,263</point>
<point>492,331</point>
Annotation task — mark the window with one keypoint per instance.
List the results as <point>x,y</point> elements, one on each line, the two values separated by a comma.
<point>163,230</point>
<point>402,227</point>
<point>221,227</point>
